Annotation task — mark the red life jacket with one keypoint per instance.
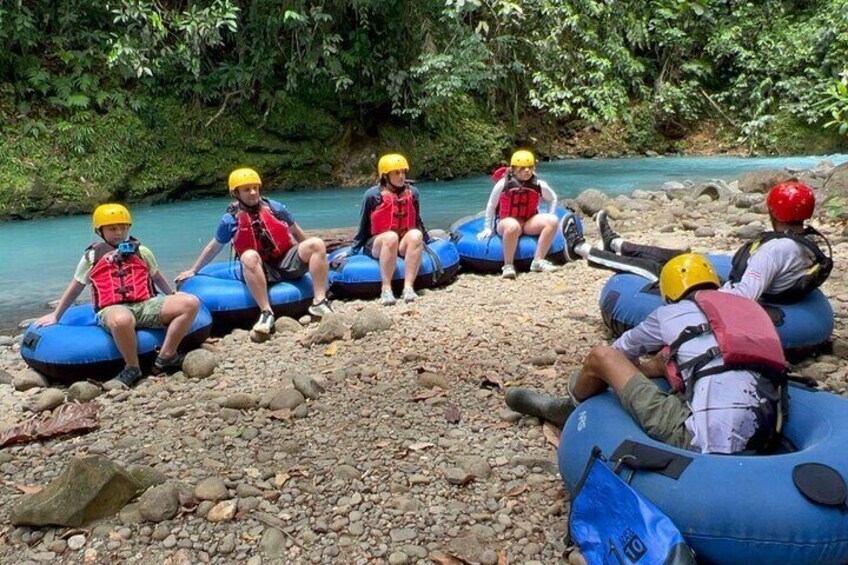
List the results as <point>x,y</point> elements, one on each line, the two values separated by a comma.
<point>263,232</point>
<point>519,200</point>
<point>746,339</point>
<point>499,173</point>
<point>395,213</point>
<point>118,278</point>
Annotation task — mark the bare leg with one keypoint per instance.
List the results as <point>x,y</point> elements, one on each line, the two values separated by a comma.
<point>254,276</point>
<point>510,230</point>
<point>604,366</point>
<point>178,313</point>
<point>545,226</point>
<point>121,324</point>
<point>385,248</point>
<point>313,252</point>
<point>411,247</point>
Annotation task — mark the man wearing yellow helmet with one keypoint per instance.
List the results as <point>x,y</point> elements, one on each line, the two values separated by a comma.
<point>123,276</point>
<point>390,225</point>
<point>270,245</point>
<point>720,351</point>
<point>513,210</point>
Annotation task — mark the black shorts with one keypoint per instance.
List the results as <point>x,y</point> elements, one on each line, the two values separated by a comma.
<point>291,267</point>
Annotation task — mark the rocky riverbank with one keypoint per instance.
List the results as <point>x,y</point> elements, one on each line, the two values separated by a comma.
<point>380,434</point>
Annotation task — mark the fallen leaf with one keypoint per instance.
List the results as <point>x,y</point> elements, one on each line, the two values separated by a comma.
<point>552,433</point>
<point>27,489</point>
<point>68,418</point>
<point>515,491</point>
<point>446,559</point>
<point>280,479</point>
<point>331,350</point>
<point>425,394</point>
<point>493,381</point>
<point>421,445</point>
<point>452,414</point>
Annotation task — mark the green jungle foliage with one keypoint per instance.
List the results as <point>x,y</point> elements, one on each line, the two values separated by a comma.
<point>126,85</point>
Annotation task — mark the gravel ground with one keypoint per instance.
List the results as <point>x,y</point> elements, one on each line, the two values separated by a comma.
<point>403,456</point>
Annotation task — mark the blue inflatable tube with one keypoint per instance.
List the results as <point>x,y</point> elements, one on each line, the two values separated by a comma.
<point>732,509</point>
<point>221,289</point>
<point>487,256</point>
<point>77,348</point>
<point>627,299</point>
<point>358,276</point>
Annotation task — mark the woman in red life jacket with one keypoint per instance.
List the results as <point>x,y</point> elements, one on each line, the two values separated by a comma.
<point>123,274</point>
<point>513,210</point>
<point>269,244</point>
<point>390,225</point>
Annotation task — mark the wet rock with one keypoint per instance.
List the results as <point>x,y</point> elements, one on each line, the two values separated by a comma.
<point>308,386</point>
<point>83,391</point>
<point>199,364</point>
<point>211,488</point>
<point>370,320</point>
<point>159,503</point>
<point>90,488</point>
<point>330,329</point>
<point>48,400</point>
<point>28,379</point>
<point>287,399</point>
<point>240,401</point>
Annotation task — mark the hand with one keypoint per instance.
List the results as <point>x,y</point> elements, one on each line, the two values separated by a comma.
<point>47,320</point>
<point>184,275</point>
<point>485,234</point>
<point>339,260</point>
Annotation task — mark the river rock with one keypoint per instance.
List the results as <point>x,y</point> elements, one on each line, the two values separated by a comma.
<point>90,488</point>
<point>199,364</point>
<point>370,320</point>
<point>762,181</point>
<point>48,400</point>
<point>211,488</point>
<point>748,232</point>
<point>6,341</point>
<point>592,201</point>
<point>222,512</point>
<point>287,399</point>
<point>240,401</point>
<point>672,185</point>
<point>329,330</point>
<point>284,324</point>
<point>273,543</point>
<point>468,548</point>
<point>83,391</point>
<point>748,199</point>
<point>6,378</point>
<point>28,379</point>
<point>705,232</point>
<point>146,476</point>
<point>307,386</point>
<point>477,466</point>
<point>159,503</point>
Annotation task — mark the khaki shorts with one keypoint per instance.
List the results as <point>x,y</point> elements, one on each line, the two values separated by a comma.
<point>661,415</point>
<point>147,314</point>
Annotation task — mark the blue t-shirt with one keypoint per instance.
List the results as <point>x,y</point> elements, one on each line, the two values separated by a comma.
<point>228,224</point>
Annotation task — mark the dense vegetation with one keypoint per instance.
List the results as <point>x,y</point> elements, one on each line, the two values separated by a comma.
<point>149,99</point>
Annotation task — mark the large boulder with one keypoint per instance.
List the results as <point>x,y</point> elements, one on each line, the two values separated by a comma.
<point>199,364</point>
<point>592,201</point>
<point>762,181</point>
<point>370,320</point>
<point>834,197</point>
<point>90,488</point>
<point>331,328</point>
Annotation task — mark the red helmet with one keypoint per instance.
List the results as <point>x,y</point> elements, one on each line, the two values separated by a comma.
<point>791,202</point>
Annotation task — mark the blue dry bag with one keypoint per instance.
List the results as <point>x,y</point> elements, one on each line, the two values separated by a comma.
<point>613,524</point>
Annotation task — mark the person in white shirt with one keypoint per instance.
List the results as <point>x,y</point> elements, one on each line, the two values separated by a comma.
<point>513,211</point>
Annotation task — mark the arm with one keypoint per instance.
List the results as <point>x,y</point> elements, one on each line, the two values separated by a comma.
<point>209,252</point>
<point>641,340</point>
<point>68,297</point>
<point>297,232</point>
<point>492,205</point>
<point>758,276</point>
<point>364,231</point>
<point>162,283</point>
<point>549,196</point>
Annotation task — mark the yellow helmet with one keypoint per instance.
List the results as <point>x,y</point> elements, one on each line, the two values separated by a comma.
<point>522,158</point>
<point>684,273</point>
<point>392,162</point>
<point>110,214</point>
<point>241,177</point>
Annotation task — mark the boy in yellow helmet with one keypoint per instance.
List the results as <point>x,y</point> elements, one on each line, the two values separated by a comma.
<point>123,274</point>
<point>269,244</point>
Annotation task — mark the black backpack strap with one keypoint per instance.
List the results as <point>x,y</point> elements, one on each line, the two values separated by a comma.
<point>438,268</point>
<point>642,457</point>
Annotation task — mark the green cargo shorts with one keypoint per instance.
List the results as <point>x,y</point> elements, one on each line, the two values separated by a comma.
<point>661,415</point>
<point>147,314</point>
